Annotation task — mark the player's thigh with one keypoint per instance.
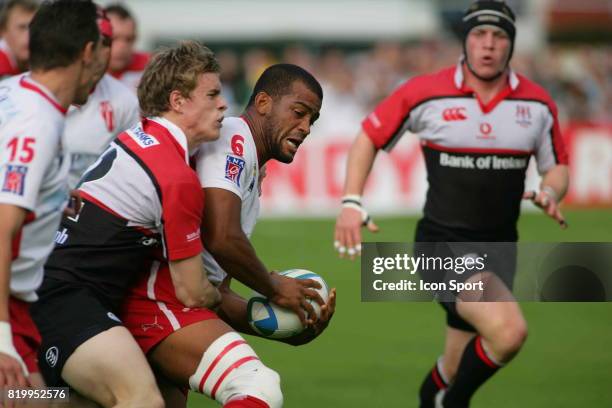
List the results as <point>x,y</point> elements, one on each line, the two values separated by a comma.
<point>492,319</point>
<point>108,367</point>
<point>178,355</point>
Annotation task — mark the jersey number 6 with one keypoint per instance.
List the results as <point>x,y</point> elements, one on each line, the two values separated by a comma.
<point>238,145</point>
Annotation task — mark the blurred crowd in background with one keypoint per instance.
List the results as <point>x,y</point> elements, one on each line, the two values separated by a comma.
<point>579,78</point>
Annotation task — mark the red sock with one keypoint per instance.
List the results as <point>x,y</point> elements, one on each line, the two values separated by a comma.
<point>246,402</point>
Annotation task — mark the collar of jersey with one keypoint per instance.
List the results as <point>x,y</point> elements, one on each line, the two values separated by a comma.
<point>513,82</point>
<point>27,82</point>
<point>176,133</point>
<point>513,79</point>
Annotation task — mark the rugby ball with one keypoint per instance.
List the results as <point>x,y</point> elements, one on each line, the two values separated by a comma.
<point>273,321</point>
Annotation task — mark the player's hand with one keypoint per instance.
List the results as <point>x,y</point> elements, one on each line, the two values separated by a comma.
<point>12,375</point>
<point>74,205</point>
<point>212,296</point>
<point>548,204</point>
<point>293,294</point>
<point>311,333</point>
<point>347,235</point>
<point>327,312</point>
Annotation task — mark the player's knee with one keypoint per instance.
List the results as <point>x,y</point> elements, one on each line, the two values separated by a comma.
<point>510,338</point>
<point>230,369</point>
<point>147,396</point>
<point>260,382</point>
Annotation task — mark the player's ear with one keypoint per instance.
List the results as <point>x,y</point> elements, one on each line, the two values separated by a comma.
<point>89,53</point>
<point>263,103</point>
<point>176,101</point>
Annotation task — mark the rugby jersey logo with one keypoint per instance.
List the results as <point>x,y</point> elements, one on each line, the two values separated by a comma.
<point>143,139</point>
<point>454,114</point>
<point>523,115</point>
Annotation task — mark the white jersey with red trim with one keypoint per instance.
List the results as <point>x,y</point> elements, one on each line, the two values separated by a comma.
<point>476,154</point>
<point>33,175</point>
<point>110,109</point>
<point>142,204</point>
<point>231,163</point>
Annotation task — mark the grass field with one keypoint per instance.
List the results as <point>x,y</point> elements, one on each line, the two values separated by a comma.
<point>376,354</point>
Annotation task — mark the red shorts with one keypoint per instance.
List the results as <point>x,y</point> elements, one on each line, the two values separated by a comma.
<point>151,311</point>
<point>25,334</point>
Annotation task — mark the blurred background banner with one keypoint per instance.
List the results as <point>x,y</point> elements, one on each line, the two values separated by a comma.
<point>361,50</point>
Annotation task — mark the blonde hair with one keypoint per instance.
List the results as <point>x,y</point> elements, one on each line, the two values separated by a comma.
<point>173,69</point>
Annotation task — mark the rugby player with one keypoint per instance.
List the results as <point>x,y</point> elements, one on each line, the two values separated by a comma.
<point>110,109</point>
<point>142,205</point>
<point>126,64</point>
<point>478,123</point>
<point>193,348</point>
<point>15,18</point>
<point>63,46</point>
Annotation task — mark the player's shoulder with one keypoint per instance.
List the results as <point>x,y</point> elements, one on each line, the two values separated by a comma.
<point>235,136</point>
<point>432,85</point>
<point>139,61</point>
<point>530,90</point>
<point>27,100</point>
<point>234,125</point>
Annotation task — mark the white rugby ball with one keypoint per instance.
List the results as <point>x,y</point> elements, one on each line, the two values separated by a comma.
<point>273,321</point>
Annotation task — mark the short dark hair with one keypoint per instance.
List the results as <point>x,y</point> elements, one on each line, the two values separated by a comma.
<point>120,11</point>
<point>277,80</point>
<point>7,7</point>
<point>59,32</point>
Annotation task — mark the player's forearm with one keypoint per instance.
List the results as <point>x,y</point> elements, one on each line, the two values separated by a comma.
<point>5,276</point>
<point>360,160</point>
<point>233,311</point>
<point>557,180</point>
<point>237,257</point>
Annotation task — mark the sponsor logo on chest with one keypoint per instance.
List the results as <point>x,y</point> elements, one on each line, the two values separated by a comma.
<point>492,162</point>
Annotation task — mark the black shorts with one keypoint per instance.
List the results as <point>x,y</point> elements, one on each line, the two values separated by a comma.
<point>435,241</point>
<point>67,315</point>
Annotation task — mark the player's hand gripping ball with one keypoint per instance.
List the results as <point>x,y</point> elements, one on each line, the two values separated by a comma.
<point>273,321</point>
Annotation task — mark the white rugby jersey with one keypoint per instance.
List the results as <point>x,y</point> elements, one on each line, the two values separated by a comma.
<point>231,163</point>
<point>110,109</point>
<point>33,175</point>
<point>476,154</point>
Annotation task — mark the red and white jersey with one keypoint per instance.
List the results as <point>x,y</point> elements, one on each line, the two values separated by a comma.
<point>142,203</point>
<point>8,65</point>
<point>130,76</point>
<point>110,109</point>
<point>476,154</point>
<point>33,175</point>
<point>230,163</point>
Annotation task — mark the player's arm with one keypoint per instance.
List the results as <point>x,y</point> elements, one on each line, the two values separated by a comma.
<point>224,238</point>
<point>233,310</point>
<point>191,286</point>
<point>552,160</point>
<point>11,372</point>
<point>352,216</point>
